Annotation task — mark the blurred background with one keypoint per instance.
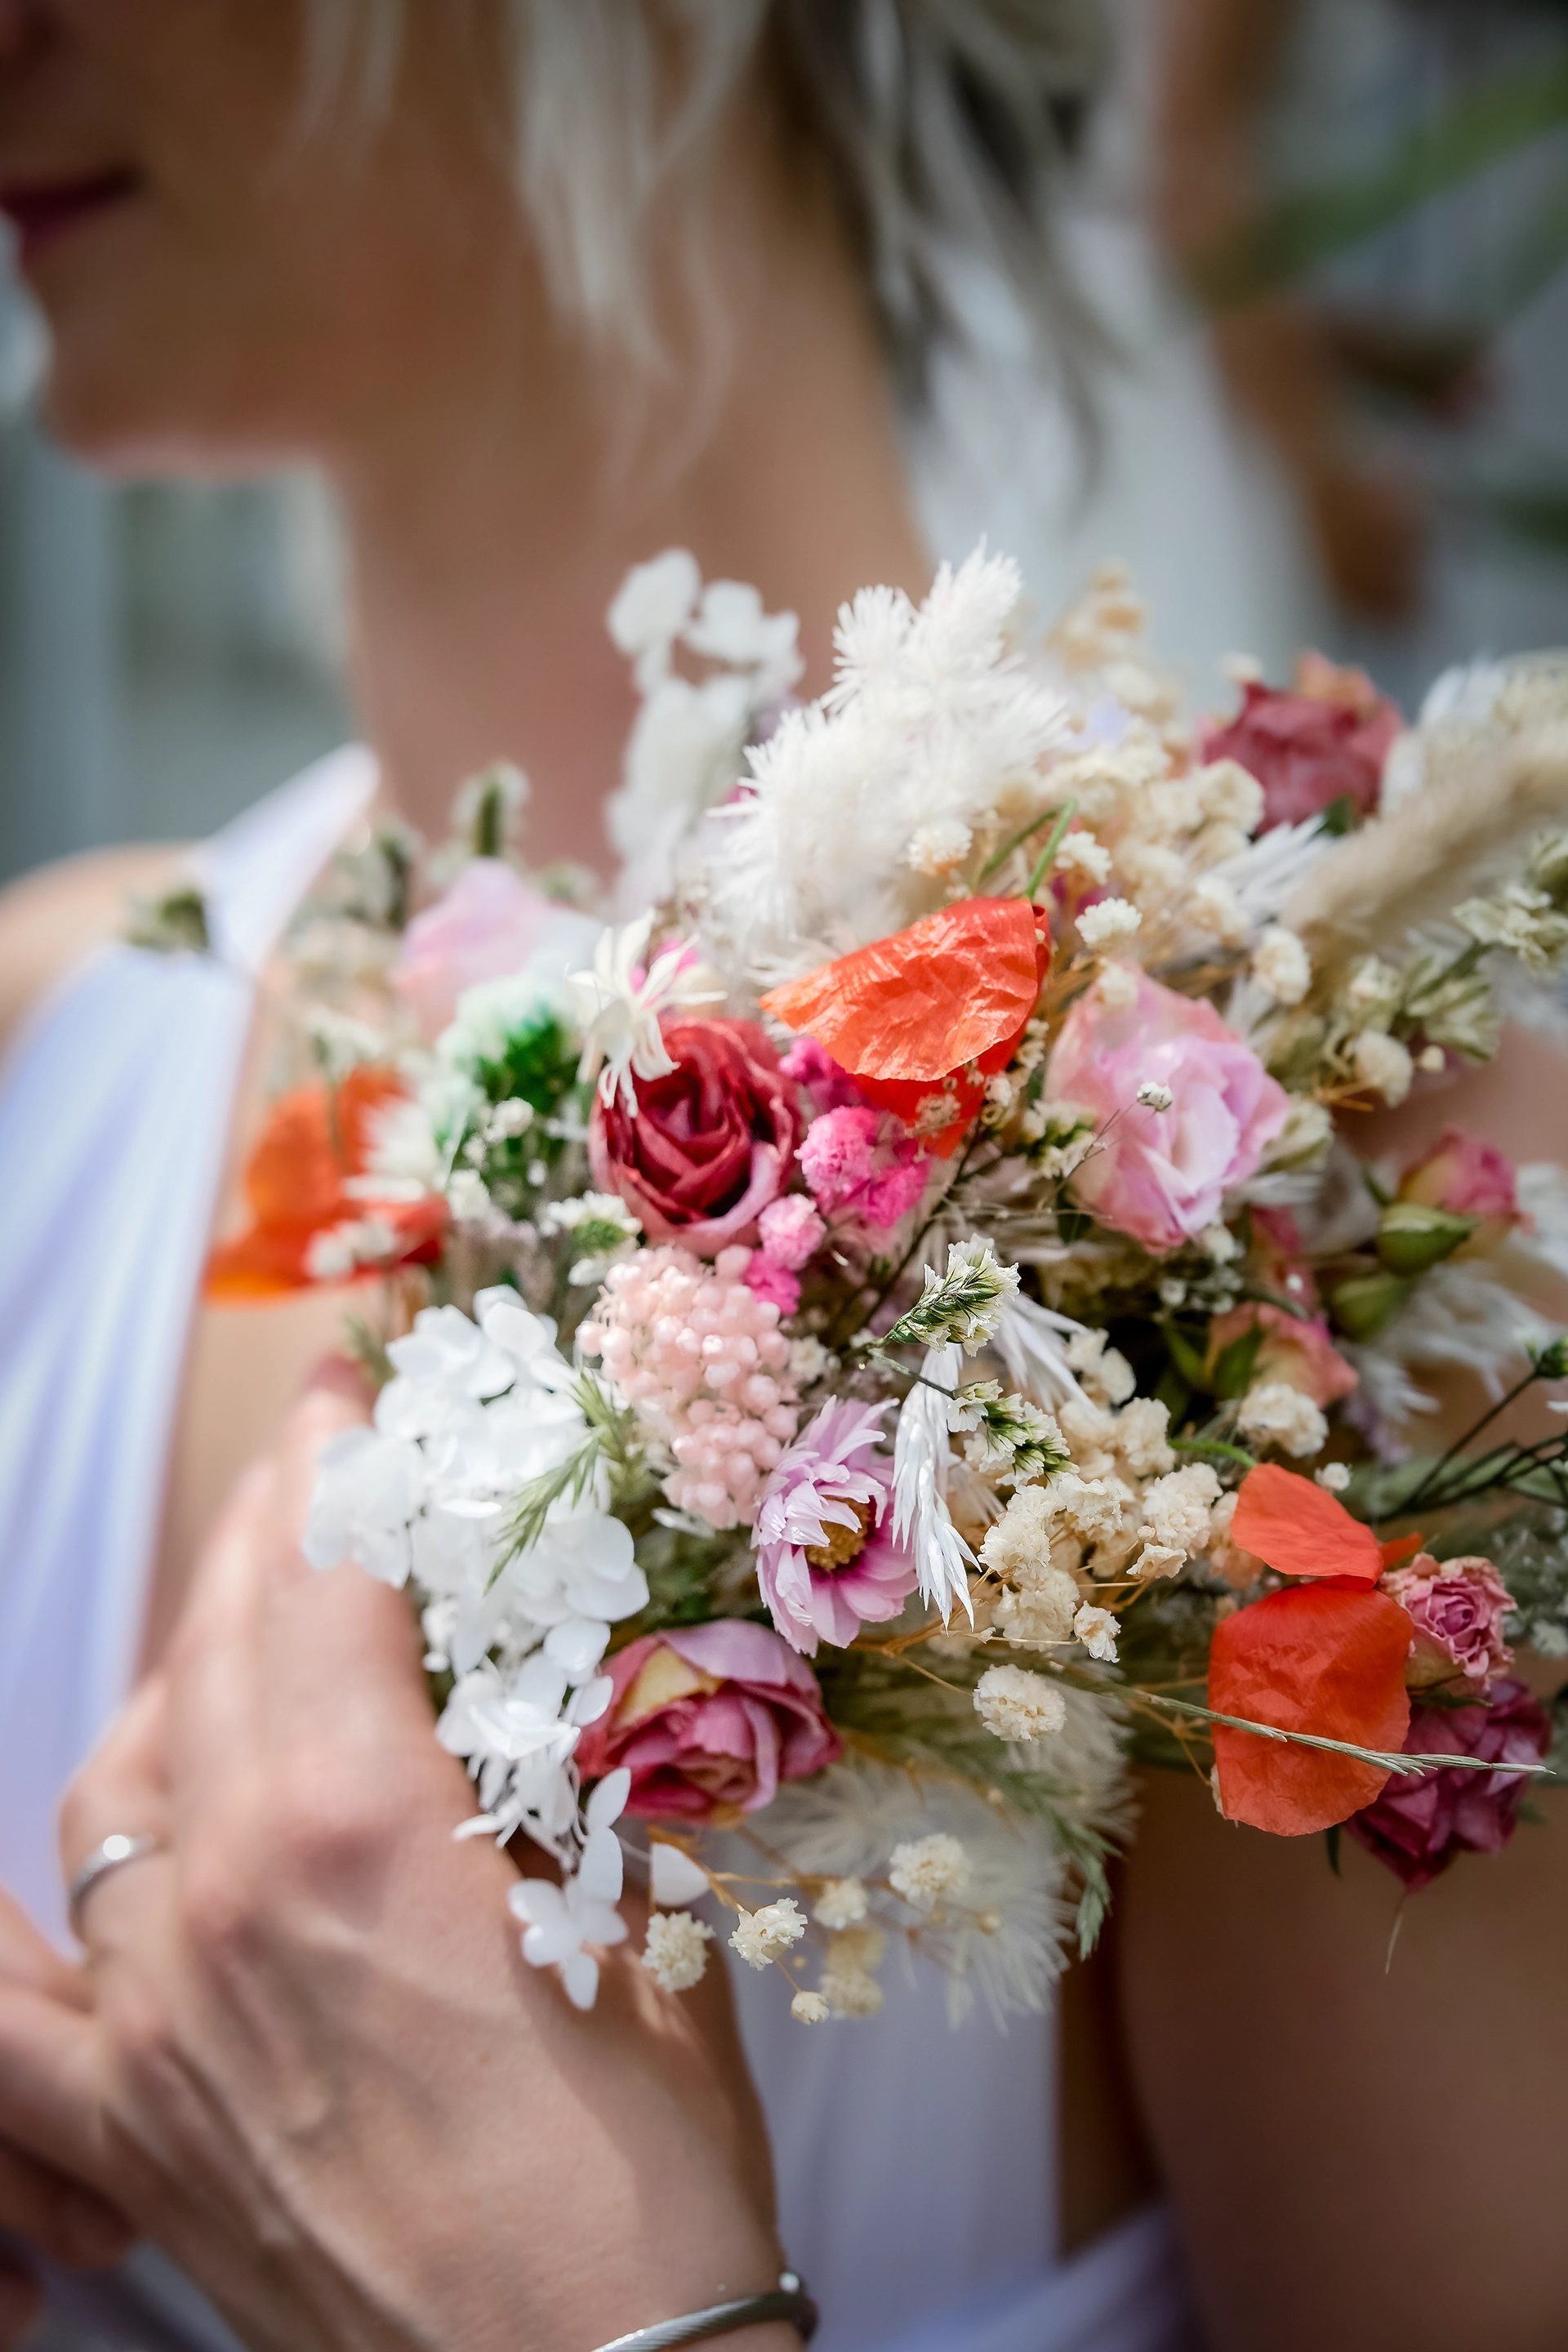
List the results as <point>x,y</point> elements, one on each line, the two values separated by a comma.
<point>1326,241</point>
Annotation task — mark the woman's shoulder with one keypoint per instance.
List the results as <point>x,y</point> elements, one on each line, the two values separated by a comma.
<point>52,918</point>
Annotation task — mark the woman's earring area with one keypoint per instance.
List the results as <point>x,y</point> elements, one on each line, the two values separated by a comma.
<point>110,1853</point>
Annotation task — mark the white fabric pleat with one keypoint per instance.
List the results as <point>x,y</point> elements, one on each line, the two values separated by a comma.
<point>115,1105</point>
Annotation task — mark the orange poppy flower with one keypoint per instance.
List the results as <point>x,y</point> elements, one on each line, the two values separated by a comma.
<point>935,1009</point>
<point>1327,1655</point>
<point>316,1138</point>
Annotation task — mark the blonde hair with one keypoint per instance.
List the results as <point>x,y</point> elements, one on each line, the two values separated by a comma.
<point>943,126</point>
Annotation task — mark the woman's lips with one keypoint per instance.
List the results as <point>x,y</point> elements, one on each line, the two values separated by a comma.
<point>43,211</point>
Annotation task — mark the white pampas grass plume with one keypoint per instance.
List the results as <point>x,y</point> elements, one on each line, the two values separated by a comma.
<point>1410,868</point>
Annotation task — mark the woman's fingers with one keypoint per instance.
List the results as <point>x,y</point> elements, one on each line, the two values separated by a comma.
<point>29,1959</point>
<point>21,2303</point>
<point>121,1790</point>
<point>58,2217</point>
<point>49,2097</point>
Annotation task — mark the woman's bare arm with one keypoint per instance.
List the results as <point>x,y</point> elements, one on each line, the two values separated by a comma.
<point>1363,2153</point>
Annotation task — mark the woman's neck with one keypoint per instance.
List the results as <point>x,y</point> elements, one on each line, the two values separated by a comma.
<point>489,534</point>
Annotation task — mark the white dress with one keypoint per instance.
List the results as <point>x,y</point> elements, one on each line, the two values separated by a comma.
<point>916,2166</point>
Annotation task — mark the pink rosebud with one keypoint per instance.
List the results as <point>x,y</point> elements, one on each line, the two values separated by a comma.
<point>1301,1353</point>
<point>1160,1175</point>
<point>1456,1607</point>
<point>708,1718</point>
<point>709,1144</point>
<point>1466,1178</point>
<point>1325,743</point>
<point>790,1230</point>
<point>859,1163</point>
<point>1417,1825</point>
<point>488,923</point>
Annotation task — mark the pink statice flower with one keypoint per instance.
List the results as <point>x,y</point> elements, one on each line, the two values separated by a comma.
<point>1466,1178</point>
<point>811,1065</point>
<point>698,1356</point>
<point>1160,1175</point>
<point>859,1163</point>
<point>1418,1825</point>
<point>1456,1607</point>
<point>488,923</point>
<point>827,1560</point>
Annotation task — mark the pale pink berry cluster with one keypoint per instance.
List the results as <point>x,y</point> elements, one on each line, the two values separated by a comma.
<point>701,1359</point>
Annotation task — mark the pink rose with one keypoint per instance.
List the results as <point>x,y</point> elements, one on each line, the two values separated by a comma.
<point>1298,1352</point>
<point>709,1144</point>
<point>711,1717</point>
<point>859,1163</point>
<point>1324,742</point>
<point>488,923</point>
<point>1456,1607</point>
<point>827,1559</point>
<point>1466,1178</point>
<point>1417,1826</point>
<point>1160,1175</point>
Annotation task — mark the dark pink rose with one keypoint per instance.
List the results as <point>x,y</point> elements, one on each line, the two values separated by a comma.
<point>711,1717</point>
<point>1417,1827</point>
<point>708,1145</point>
<point>1456,1607</point>
<point>1324,742</point>
<point>1466,1178</point>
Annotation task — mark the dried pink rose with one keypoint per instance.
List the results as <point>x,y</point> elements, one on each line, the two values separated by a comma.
<point>1466,1178</point>
<point>860,1163</point>
<point>1417,1826</point>
<point>1456,1607</point>
<point>708,1718</point>
<point>1326,741</point>
<point>827,1560</point>
<point>1160,1175</point>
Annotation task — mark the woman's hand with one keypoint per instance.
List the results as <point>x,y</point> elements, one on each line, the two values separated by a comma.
<point>53,2214</point>
<point>317,2069</point>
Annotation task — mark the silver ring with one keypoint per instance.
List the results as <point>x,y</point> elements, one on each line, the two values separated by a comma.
<point>108,1855</point>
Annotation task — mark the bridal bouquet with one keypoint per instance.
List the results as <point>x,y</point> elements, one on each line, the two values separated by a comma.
<point>900,1328</point>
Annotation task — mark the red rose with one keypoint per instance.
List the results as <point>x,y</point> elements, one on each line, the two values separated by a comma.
<point>1325,742</point>
<point>709,1717</point>
<point>1417,1827</point>
<point>708,1145</point>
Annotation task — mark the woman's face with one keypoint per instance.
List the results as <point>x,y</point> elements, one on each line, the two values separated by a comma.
<point>228,279</point>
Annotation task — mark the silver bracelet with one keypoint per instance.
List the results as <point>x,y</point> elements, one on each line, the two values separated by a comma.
<point>789,2301</point>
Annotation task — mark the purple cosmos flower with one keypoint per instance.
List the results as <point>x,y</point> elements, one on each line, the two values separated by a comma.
<point>826,1558</point>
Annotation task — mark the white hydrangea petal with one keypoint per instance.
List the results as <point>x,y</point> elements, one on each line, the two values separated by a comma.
<point>675,1878</point>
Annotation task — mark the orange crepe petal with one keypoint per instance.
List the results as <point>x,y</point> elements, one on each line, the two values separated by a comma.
<point>1403,1547</point>
<point>1299,1528</point>
<point>1323,1658</point>
<point>949,991</point>
<point>268,1261</point>
<point>313,1142</point>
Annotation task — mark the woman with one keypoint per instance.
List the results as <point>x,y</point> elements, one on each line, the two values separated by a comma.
<point>230,281</point>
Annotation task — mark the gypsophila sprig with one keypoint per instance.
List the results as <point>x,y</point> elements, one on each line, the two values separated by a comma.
<point>1008,1436</point>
